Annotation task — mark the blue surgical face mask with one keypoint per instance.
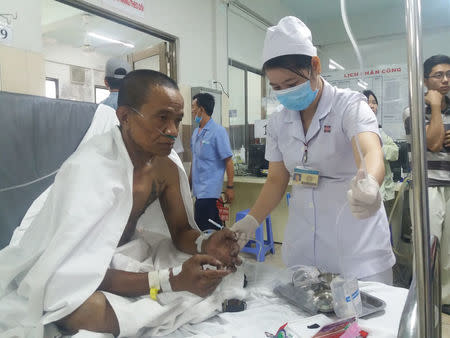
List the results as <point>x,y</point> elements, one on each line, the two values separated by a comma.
<point>198,119</point>
<point>297,98</point>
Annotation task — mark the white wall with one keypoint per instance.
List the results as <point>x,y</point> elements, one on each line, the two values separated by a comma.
<point>192,23</point>
<point>21,61</point>
<point>74,56</point>
<point>271,10</point>
<point>199,25</point>
<point>387,50</point>
<point>246,39</point>
<point>381,36</point>
<point>59,58</point>
<point>27,26</point>
<point>201,29</point>
<point>246,34</point>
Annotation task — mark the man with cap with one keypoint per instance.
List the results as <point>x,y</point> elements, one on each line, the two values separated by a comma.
<point>329,137</point>
<point>115,70</point>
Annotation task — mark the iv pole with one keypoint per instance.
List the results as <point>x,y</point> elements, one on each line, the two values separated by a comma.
<point>418,317</point>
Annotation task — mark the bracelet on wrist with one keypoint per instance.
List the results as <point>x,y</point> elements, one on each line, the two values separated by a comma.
<point>230,187</point>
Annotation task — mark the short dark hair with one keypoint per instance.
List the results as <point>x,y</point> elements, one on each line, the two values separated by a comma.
<point>114,83</point>
<point>137,85</point>
<point>434,61</point>
<point>292,62</point>
<point>368,92</point>
<point>206,101</point>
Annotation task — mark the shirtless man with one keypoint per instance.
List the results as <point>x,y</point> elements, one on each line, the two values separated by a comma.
<point>150,111</point>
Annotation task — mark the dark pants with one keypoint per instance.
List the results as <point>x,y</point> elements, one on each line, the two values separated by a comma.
<point>204,209</point>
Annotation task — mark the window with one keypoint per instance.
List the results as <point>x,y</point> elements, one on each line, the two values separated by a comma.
<point>51,88</point>
<point>247,88</point>
<point>101,93</point>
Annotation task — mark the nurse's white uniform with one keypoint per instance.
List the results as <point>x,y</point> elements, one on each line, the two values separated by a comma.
<point>311,235</point>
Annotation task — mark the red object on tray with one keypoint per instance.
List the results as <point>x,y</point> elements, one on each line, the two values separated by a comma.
<point>337,329</point>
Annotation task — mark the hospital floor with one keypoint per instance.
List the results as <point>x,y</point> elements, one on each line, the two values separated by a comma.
<point>276,260</point>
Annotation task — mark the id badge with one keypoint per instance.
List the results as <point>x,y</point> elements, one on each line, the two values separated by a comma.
<point>306,177</point>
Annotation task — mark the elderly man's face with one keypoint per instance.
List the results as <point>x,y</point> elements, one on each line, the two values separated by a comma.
<point>154,130</point>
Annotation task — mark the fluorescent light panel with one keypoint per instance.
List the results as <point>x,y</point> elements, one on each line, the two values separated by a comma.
<point>362,84</point>
<point>104,38</point>
<point>334,65</point>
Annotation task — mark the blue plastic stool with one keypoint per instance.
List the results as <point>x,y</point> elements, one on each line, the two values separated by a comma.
<point>254,246</point>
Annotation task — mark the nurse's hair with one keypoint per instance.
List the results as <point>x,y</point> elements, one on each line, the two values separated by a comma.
<point>136,87</point>
<point>367,94</point>
<point>434,61</point>
<point>293,62</point>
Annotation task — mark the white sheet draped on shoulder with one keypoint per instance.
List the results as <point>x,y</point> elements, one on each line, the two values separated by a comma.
<point>69,237</point>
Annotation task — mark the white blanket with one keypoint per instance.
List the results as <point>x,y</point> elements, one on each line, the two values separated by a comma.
<point>103,121</point>
<point>143,317</point>
<point>68,239</point>
<point>266,311</point>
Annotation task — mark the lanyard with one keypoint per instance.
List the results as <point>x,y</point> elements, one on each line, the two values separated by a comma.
<point>305,153</point>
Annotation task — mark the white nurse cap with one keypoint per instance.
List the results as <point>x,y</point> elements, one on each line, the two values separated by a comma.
<point>290,36</point>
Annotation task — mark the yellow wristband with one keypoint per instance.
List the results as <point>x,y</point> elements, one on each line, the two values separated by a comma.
<point>153,293</point>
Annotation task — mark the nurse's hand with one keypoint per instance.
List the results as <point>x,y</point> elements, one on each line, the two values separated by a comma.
<point>245,229</point>
<point>364,195</point>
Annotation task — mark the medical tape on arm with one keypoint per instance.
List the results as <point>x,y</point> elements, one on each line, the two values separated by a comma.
<point>154,284</point>
<point>159,280</point>
<point>203,236</point>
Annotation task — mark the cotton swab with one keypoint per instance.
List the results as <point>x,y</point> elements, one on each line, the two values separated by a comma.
<point>215,223</point>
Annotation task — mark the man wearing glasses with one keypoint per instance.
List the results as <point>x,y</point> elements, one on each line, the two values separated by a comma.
<point>437,118</point>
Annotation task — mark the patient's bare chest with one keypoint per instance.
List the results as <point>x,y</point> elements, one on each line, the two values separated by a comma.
<point>146,189</point>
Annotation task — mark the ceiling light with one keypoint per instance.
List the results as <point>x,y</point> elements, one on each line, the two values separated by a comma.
<point>104,38</point>
<point>334,64</point>
<point>362,84</point>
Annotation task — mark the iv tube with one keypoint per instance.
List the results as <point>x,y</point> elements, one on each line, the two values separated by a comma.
<point>353,41</point>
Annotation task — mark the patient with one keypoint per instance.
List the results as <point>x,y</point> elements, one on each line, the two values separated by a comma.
<point>60,271</point>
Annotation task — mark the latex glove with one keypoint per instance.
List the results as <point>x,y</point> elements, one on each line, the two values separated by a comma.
<point>364,195</point>
<point>245,229</point>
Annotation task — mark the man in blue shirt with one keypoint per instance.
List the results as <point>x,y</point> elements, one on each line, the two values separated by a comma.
<point>211,156</point>
<point>115,70</point>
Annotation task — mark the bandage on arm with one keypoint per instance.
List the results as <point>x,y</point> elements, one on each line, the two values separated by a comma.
<point>200,239</point>
<point>159,280</point>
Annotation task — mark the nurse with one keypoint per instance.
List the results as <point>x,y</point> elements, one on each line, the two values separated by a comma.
<point>336,219</point>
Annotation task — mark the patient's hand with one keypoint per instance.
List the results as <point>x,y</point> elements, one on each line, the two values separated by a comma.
<point>194,278</point>
<point>223,245</point>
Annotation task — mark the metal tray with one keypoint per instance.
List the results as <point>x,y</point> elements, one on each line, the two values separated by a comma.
<point>371,305</point>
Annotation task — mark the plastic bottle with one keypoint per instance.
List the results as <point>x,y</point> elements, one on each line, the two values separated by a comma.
<point>344,288</point>
<point>242,154</point>
<point>346,297</point>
